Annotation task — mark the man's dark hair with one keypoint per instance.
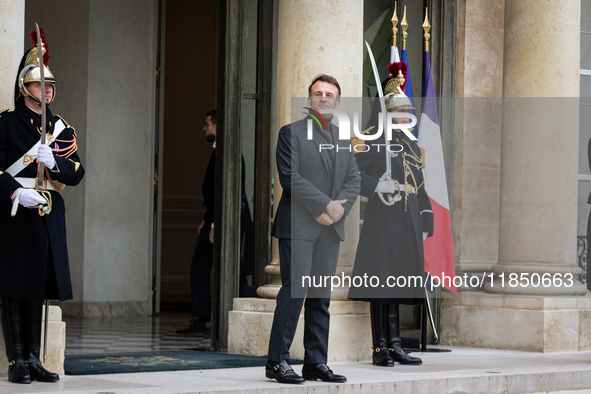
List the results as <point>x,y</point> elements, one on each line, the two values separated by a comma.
<point>213,116</point>
<point>324,78</point>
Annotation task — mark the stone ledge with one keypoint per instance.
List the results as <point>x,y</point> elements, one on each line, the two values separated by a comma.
<point>349,336</point>
<point>337,307</point>
<point>557,324</point>
<point>489,300</point>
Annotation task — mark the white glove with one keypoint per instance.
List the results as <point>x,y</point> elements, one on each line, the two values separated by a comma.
<point>45,156</point>
<point>386,187</point>
<point>28,197</point>
<point>425,236</point>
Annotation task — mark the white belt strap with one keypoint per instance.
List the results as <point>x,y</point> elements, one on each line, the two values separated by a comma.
<point>29,183</point>
<point>20,165</point>
<point>411,189</point>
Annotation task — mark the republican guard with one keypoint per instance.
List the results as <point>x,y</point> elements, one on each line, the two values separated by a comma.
<point>38,158</point>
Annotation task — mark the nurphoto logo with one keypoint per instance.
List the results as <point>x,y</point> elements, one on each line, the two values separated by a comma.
<point>345,129</point>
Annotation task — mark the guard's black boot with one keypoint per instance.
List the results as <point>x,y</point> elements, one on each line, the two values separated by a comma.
<point>11,327</point>
<point>394,341</point>
<point>32,339</point>
<point>380,356</point>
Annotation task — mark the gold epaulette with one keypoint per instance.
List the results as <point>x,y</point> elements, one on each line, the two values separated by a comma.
<point>423,156</point>
<point>67,125</point>
<point>360,141</point>
<point>356,141</point>
<point>4,110</point>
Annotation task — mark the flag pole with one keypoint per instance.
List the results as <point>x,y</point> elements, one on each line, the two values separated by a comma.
<point>394,24</point>
<point>426,28</point>
<point>404,25</point>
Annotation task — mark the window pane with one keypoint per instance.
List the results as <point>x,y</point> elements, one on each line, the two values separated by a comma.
<point>586,51</point>
<point>585,86</point>
<point>586,15</point>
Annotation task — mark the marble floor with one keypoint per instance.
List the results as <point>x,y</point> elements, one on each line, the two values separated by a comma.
<point>86,336</point>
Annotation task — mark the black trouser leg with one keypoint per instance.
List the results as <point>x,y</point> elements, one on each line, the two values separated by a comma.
<point>378,314</point>
<point>32,311</point>
<point>394,340</point>
<point>12,325</point>
<point>287,311</point>
<point>200,276</point>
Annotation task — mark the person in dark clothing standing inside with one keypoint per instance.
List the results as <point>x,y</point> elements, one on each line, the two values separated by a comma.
<point>33,252</point>
<point>203,258</point>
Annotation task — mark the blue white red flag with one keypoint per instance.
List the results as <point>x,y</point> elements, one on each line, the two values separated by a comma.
<point>439,250</point>
<point>394,56</point>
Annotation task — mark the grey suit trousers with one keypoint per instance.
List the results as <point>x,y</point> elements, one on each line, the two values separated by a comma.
<point>316,258</point>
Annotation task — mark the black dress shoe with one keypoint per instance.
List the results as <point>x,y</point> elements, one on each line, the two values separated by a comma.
<point>18,372</point>
<point>381,357</point>
<point>198,326</point>
<point>322,372</point>
<point>400,356</point>
<point>40,374</point>
<point>282,372</point>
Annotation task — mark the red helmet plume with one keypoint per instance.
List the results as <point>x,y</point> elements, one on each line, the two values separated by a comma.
<point>393,69</point>
<point>33,35</point>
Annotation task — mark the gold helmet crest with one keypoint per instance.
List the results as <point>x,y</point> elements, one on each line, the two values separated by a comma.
<point>30,71</point>
<point>394,89</point>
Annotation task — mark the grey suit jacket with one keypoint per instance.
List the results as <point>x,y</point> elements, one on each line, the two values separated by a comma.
<point>303,174</point>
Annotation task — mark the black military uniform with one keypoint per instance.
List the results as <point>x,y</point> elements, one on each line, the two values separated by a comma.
<point>34,258</point>
<point>391,240</point>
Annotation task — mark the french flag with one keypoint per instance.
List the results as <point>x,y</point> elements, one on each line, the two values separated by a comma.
<point>439,249</point>
<point>394,56</point>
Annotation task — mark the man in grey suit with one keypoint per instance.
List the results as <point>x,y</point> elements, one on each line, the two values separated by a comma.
<point>319,188</point>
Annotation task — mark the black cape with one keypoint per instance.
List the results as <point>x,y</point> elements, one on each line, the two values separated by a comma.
<point>391,240</point>
<point>33,251</point>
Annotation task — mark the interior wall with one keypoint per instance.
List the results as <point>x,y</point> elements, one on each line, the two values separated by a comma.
<point>190,38</point>
<point>121,80</point>
<point>104,60</point>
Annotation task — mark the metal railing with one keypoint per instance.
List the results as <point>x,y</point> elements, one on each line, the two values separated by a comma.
<point>582,248</point>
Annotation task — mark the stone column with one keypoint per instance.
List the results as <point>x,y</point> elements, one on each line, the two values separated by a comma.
<point>316,38</point>
<point>538,192</point>
<point>313,38</point>
<point>539,161</point>
<point>12,15</point>
<point>477,138</point>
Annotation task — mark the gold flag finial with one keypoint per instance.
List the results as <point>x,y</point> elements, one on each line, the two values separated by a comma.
<point>404,25</point>
<point>426,28</point>
<point>394,24</point>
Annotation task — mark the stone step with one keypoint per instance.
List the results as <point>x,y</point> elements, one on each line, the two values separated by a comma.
<point>464,370</point>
